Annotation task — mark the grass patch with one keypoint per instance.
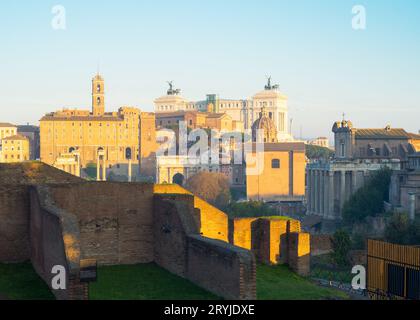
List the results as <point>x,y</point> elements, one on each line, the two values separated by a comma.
<point>20,282</point>
<point>323,267</point>
<point>279,283</point>
<point>144,282</point>
<point>150,282</point>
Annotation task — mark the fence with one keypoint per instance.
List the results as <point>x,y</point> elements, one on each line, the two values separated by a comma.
<point>393,271</point>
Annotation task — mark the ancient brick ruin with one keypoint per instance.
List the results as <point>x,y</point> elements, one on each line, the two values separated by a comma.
<point>52,218</point>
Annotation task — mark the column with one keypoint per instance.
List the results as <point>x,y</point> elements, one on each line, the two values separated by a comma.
<point>313,191</point>
<point>331,194</point>
<point>98,172</point>
<point>129,170</point>
<point>342,190</point>
<point>316,192</point>
<point>308,192</point>
<point>412,206</point>
<point>354,182</point>
<point>104,170</point>
<point>322,193</point>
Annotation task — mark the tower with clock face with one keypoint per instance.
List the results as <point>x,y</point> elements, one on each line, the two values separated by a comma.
<point>98,96</point>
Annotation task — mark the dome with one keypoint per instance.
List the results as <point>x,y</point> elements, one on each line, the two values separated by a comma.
<point>264,123</point>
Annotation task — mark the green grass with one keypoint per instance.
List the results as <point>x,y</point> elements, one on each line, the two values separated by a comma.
<point>144,282</point>
<point>279,283</point>
<point>150,282</point>
<point>20,282</point>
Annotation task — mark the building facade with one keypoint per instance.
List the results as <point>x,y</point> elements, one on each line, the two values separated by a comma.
<point>245,111</point>
<point>15,149</point>
<point>108,139</point>
<point>32,133</point>
<point>404,195</point>
<point>358,152</point>
<point>278,172</point>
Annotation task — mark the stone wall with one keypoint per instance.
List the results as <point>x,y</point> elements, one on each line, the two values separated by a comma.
<point>15,179</point>
<point>320,244</point>
<point>55,241</point>
<point>214,223</point>
<point>115,220</point>
<point>269,239</point>
<point>223,269</point>
<point>240,232</point>
<point>300,253</point>
<point>14,223</point>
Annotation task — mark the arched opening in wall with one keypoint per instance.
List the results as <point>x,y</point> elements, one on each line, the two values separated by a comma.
<point>128,154</point>
<point>71,150</point>
<point>178,179</point>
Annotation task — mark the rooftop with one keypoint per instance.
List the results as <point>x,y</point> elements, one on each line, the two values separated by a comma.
<point>6,125</point>
<point>385,133</point>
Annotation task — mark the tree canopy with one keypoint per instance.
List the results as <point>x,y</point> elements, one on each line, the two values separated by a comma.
<point>368,201</point>
<point>211,186</point>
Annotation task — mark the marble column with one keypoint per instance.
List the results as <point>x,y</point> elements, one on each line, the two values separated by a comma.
<point>129,170</point>
<point>98,170</point>
<point>331,194</point>
<point>342,190</point>
<point>321,192</point>
<point>104,170</point>
<point>308,192</point>
<point>312,191</point>
<point>316,192</point>
<point>354,185</point>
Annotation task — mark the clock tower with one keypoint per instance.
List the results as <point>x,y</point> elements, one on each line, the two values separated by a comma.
<point>98,95</point>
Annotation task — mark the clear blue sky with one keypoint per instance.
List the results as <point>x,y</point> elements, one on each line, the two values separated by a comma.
<point>216,46</point>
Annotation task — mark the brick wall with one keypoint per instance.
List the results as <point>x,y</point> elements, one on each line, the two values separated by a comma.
<point>300,253</point>
<point>55,241</point>
<point>14,223</point>
<point>320,244</point>
<point>240,232</point>
<point>214,223</point>
<point>227,271</point>
<point>115,220</point>
<point>215,265</point>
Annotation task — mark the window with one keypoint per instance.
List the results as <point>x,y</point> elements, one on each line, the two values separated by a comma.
<point>275,164</point>
<point>343,150</point>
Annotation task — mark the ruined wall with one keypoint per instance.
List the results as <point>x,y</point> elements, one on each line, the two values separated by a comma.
<point>115,220</point>
<point>55,241</point>
<point>214,223</point>
<point>320,244</point>
<point>240,232</point>
<point>300,253</point>
<point>14,223</point>
<point>15,179</point>
<point>172,222</point>
<point>214,265</point>
<point>227,271</point>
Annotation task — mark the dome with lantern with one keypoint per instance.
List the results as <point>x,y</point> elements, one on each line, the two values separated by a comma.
<point>265,125</point>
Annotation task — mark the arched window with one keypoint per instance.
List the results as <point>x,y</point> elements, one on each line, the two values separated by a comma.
<point>98,101</point>
<point>178,179</point>
<point>275,164</point>
<point>128,153</point>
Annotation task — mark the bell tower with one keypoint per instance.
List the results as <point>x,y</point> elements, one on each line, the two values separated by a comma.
<point>98,95</point>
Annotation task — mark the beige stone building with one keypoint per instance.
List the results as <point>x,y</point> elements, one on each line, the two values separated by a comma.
<point>7,130</point>
<point>358,152</point>
<point>196,119</point>
<point>404,194</point>
<point>15,149</point>
<point>279,172</point>
<point>244,111</point>
<point>320,142</point>
<point>110,140</point>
